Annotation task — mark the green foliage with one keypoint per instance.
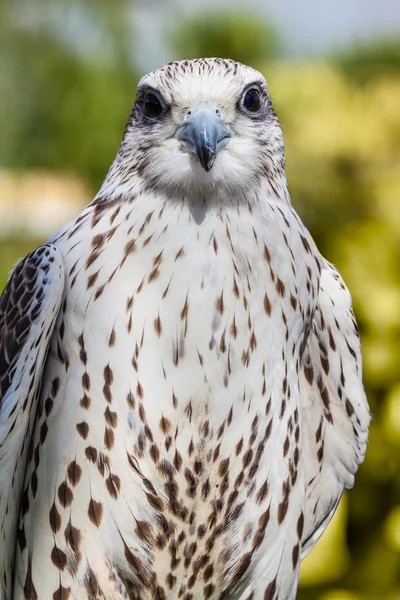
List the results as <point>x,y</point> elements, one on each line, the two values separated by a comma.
<point>227,35</point>
<point>365,61</point>
<point>60,108</point>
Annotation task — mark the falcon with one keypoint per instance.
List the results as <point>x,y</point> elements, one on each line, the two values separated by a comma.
<point>181,392</point>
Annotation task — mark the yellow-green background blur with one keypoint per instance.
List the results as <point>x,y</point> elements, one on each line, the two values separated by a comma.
<point>65,93</point>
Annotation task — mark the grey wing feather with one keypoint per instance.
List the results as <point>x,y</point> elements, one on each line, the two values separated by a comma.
<point>335,412</point>
<point>29,307</point>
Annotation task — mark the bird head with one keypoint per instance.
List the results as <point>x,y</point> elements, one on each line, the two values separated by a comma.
<point>202,125</point>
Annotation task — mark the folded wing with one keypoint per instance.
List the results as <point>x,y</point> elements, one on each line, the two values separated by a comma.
<point>29,307</point>
<point>335,411</point>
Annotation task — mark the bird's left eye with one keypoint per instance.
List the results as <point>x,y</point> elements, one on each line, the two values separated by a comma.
<point>152,105</point>
<point>251,100</point>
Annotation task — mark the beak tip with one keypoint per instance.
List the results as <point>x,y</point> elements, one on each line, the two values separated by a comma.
<point>207,166</point>
<point>206,158</point>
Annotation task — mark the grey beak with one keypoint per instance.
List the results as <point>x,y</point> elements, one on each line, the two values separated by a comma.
<point>204,132</point>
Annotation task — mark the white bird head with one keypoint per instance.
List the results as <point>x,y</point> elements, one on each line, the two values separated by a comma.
<point>201,126</point>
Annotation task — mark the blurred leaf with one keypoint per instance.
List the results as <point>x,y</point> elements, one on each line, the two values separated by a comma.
<point>329,559</point>
<point>392,529</point>
<point>60,108</point>
<point>367,60</point>
<point>217,34</point>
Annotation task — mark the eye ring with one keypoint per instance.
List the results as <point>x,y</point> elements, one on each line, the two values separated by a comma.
<point>251,100</point>
<point>153,106</point>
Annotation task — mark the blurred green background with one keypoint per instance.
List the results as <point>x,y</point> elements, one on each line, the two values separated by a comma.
<point>68,71</point>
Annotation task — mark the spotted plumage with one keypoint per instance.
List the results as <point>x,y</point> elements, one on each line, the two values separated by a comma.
<point>181,397</point>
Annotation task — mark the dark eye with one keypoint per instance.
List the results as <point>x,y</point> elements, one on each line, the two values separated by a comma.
<point>152,105</point>
<point>251,100</point>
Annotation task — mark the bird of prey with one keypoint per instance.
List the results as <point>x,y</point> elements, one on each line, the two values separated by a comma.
<point>181,392</point>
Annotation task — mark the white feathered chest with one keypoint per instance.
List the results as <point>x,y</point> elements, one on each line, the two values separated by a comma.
<point>176,354</point>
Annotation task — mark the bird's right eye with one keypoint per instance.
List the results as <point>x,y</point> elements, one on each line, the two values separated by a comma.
<point>152,105</point>
<point>251,100</point>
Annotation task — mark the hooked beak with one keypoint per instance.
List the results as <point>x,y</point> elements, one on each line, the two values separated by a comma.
<point>203,133</point>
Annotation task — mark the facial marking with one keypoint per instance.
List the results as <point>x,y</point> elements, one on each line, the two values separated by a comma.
<point>203,127</point>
